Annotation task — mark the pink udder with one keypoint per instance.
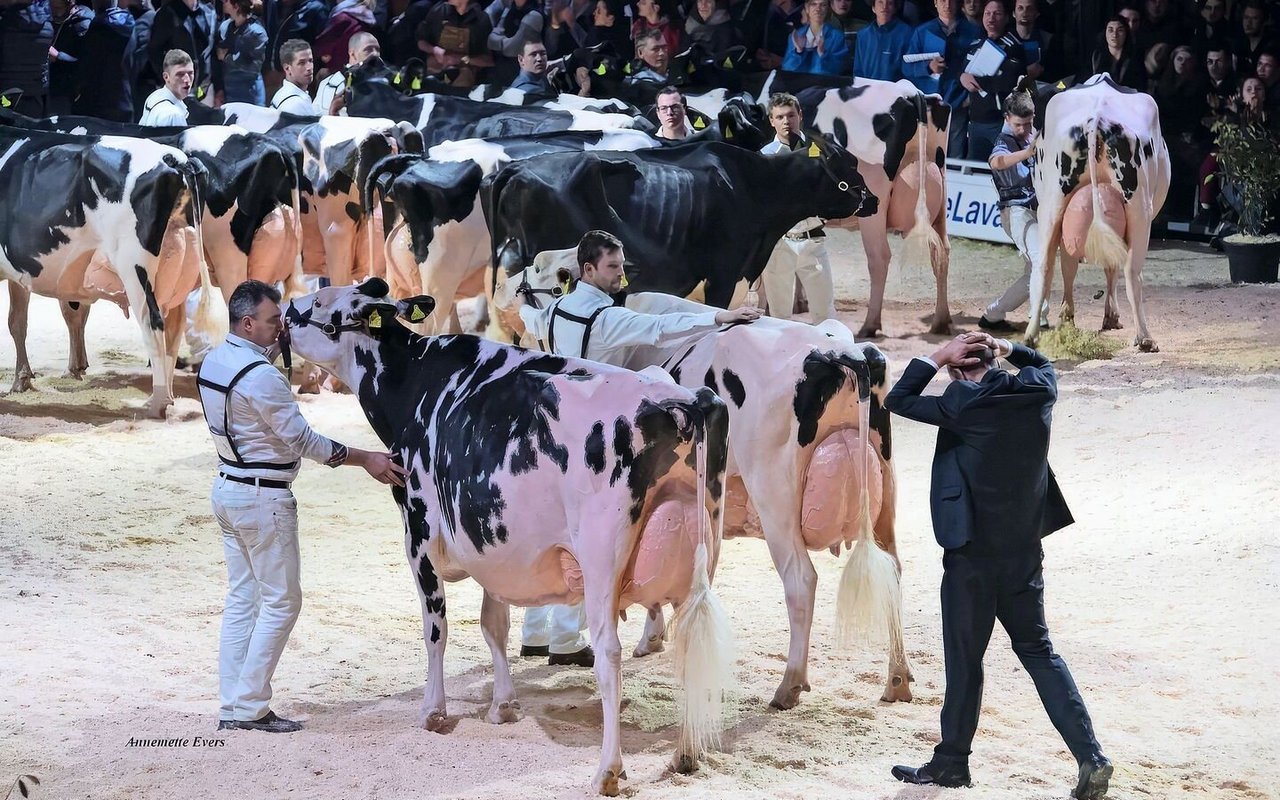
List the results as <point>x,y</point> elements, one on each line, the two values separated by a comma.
<point>1079,215</point>
<point>832,504</point>
<point>663,568</point>
<point>902,199</point>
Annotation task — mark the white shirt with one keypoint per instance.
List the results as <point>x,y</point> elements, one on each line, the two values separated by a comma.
<point>328,89</point>
<point>265,420</point>
<point>779,146</point>
<point>291,99</point>
<point>615,331</point>
<point>163,109</point>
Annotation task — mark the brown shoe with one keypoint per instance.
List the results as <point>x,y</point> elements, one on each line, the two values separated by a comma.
<point>585,657</point>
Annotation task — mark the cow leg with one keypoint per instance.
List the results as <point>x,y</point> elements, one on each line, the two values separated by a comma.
<point>651,641</point>
<point>19,305</point>
<point>603,559</point>
<point>1042,277</point>
<point>76,319</point>
<point>875,244</point>
<point>1139,241</point>
<point>435,630</point>
<point>1070,266</point>
<point>1110,306</point>
<point>941,264</point>
<point>781,524</point>
<point>495,621</point>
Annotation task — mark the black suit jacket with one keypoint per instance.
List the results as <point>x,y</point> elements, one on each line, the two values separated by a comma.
<point>992,486</point>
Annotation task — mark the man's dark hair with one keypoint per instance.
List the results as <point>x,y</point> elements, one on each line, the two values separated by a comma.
<point>666,90</point>
<point>595,244</point>
<point>1258,5</point>
<point>781,100</point>
<point>524,48</point>
<point>247,297</point>
<point>290,50</point>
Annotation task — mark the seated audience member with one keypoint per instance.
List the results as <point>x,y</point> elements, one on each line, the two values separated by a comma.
<point>781,19</point>
<point>1160,25</point>
<point>455,34</point>
<point>1181,95</point>
<point>851,16</point>
<point>1212,28</point>
<point>818,47</point>
<point>673,119</point>
<point>1252,40</point>
<point>167,107</point>
<point>654,59</point>
<point>532,78</point>
<point>299,69</point>
<point>951,37</point>
<point>514,23</point>
<point>565,31</point>
<point>1269,73</point>
<point>1116,57</point>
<point>1222,81</point>
<point>609,28</point>
<point>292,19</point>
<point>879,47</point>
<point>649,17</point>
<point>710,26</point>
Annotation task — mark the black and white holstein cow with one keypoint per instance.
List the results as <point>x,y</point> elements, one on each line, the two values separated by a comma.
<point>810,453</point>
<point>547,480</point>
<point>1102,174</point>
<point>86,218</point>
<point>686,214</point>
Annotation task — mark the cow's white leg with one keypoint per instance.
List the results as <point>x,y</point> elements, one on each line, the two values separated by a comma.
<point>1139,241</point>
<point>1070,266</point>
<point>435,629</point>
<point>1110,307</point>
<point>781,525</point>
<point>655,626</point>
<point>19,304</point>
<point>495,621</point>
<point>875,244</point>
<point>76,319</point>
<point>941,267</point>
<point>1042,275</point>
<point>600,570</point>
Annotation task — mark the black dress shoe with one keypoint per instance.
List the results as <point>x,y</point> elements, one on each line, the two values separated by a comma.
<point>271,723</point>
<point>534,650</point>
<point>228,725</point>
<point>934,775</point>
<point>999,326</point>
<point>583,658</point>
<point>1095,777</point>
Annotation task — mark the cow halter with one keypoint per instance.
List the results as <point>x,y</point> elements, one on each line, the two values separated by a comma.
<point>328,328</point>
<point>525,288</point>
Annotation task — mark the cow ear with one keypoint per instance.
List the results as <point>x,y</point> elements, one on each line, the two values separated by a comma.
<point>416,309</point>
<point>377,316</point>
<point>374,287</point>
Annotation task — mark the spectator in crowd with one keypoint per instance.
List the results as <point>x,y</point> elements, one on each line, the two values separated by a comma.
<point>331,93</point>
<point>1160,25</point>
<point>782,18</point>
<point>649,17</point>
<point>819,46</point>
<point>879,48</point>
<point>293,19</point>
<point>1222,81</point>
<point>673,118</point>
<point>104,85</point>
<point>709,26</point>
<point>348,18</point>
<point>1115,56</point>
<point>1181,94</point>
<point>565,29</point>
<point>167,106</point>
<point>71,23</point>
<point>532,78</point>
<point>1076,27</point>
<point>987,93</point>
<point>455,35</point>
<point>242,49</point>
<point>299,69</point>
<point>401,39</point>
<point>143,79</point>
<point>1247,108</point>
<point>1035,40</point>
<point>609,28</point>
<point>1269,73</point>
<point>189,26</point>
<point>1253,40</point>
<point>1154,62</point>
<point>971,10</point>
<point>952,37</point>
<point>514,23</point>
<point>851,16</point>
<point>26,33</point>
<point>654,59</point>
<point>1212,28</point>
<point>1132,15</point>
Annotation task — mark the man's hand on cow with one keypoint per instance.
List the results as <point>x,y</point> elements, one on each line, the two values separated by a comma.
<point>381,466</point>
<point>338,103</point>
<point>742,314</point>
<point>969,82</point>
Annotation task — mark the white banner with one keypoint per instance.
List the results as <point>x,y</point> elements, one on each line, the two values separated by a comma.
<point>973,210</point>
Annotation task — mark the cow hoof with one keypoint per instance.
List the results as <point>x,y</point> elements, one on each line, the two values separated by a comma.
<point>869,332</point>
<point>1111,324</point>
<point>684,764</point>
<point>648,646</point>
<point>504,713</point>
<point>157,410</point>
<point>434,721</point>
<point>898,690</point>
<point>785,699</point>
<point>1147,345</point>
<point>74,374</point>
<point>22,383</point>
<point>606,783</point>
<point>943,327</point>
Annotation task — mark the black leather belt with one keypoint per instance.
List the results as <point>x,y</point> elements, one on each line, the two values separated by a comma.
<point>263,483</point>
<point>812,233</point>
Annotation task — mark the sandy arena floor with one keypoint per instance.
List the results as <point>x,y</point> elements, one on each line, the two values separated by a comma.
<point>1162,597</point>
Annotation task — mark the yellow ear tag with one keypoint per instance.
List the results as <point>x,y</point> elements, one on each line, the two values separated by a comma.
<point>417,314</point>
<point>375,320</point>
<point>1061,85</point>
<point>416,84</point>
<point>728,63</point>
<point>728,133</point>
<point>398,78</point>
<point>5,102</point>
<point>600,70</point>
<point>699,124</point>
<point>564,287</point>
<point>813,150</point>
<point>624,281</point>
<point>689,70</point>
<point>200,93</point>
<point>627,69</point>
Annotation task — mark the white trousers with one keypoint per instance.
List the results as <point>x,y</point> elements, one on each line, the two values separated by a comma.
<point>558,628</point>
<point>1020,225</point>
<point>807,260</point>
<point>264,595</point>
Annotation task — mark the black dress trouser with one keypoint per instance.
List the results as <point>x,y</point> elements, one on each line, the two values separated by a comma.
<point>976,591</point>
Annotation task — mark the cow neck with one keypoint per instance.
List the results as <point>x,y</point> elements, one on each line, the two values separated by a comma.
<point>390,378</point>
<point>792,182</point>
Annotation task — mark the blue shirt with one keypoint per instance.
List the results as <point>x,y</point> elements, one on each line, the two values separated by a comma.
<point>833,60</point>
<point>878,51</point>
<point>1014,184</point>
<point>955,51</point>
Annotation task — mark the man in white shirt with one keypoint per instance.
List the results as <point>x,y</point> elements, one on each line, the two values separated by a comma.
<point>299,67</point>
<point>260,436</point>
<point>166,106</point>
<point>672,117</point>
<point>331,94</point>
<point>589,323</point>
<point>802,251</point>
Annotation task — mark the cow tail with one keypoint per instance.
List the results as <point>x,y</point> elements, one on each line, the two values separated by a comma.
<point>296,286</point>
<point>703,638</point>
<point>869,599</point>
<point>205,322</point>
<point>379,179</point>
<point>1102,245</point>
<point>922,241</point>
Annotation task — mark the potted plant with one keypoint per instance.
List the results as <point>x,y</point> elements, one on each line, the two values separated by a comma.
<point>1249,157</point>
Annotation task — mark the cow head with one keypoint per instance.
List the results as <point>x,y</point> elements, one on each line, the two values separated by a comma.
<point>331,325</point>
<point>845,193</point>
<point>743,123</point>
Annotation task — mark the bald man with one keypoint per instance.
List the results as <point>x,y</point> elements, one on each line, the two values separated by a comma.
<point>331,92</point>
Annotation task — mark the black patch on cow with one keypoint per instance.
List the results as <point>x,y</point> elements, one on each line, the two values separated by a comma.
<point>595,448</point>
<point>435,633</point>
<point>1076,160</point>
<point>675,374</point>
<point>840,131</point>
<point>657,455</point>
<point>1148,151</point>
<point>896,127</point>
<point>352,211</point>
<point>824,374</point>
<point>1124,165</point>
<point>154,198</point>
<point>622,449</point>
<point>939,113</point>
<point>153,308</point>
<point>733,384</point>
<point>940,158</point>
<point>851,92</point>
<point>878,368</point>
<point>709,380</point>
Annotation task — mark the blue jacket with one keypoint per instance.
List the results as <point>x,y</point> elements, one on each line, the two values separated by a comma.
<point>834,59</point>
<point>878,51</point>
<point>956,54</point>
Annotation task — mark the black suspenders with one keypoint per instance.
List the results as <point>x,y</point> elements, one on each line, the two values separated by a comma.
<point>226,421</point>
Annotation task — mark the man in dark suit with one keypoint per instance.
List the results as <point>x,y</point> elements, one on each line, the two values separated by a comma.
<point>993,498</point>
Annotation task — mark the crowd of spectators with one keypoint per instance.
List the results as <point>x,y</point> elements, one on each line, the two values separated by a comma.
<point>104,57</point>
